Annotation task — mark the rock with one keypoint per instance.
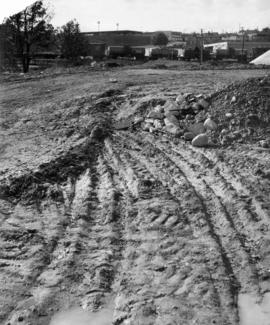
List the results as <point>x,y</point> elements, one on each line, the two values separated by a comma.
<point>119,125</point>
<point>200,140</point>
<point>137,120</point>
<point>175,113</point>
<point>196,128</point>
<point>233,100</point>
<point>264,143</point>
<point>203,103</point>
<point>223,132</point>
<point>199,96</point>
<point>228,115</point>
<point>196,107</point>
<point>187,95</point>
<point>186,109</point>
<point>155,115</point>
<point>189,136</point>
<point>170,106</point>
<point>180,99</point>
<point>171,120</point>
<point>209,124</point>
<point>159,109</point>
<point>158,124</point>
<point>146,126</point>
<point>174,130</point>
<point>190,98</point>
<point>252,120</point>
<point>149,120</point>
<point>189,117</point>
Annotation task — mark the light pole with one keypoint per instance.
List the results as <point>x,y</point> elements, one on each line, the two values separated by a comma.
<point>98,25</point>
<point>201,48</point>
<point>243,42</point>
<point>117,26</point>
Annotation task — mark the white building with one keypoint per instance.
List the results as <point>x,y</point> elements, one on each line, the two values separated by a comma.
<point>217,46</point>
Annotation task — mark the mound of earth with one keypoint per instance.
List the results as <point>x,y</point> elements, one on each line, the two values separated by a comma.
<point>242,111</point>
<point>104,221</point>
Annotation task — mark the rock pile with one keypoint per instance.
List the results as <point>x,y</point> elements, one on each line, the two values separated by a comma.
<point>185,117</point>
<point>239,113</point>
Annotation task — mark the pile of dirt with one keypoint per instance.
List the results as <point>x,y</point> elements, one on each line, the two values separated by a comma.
<point>242,112</point>
<point>239,113</point>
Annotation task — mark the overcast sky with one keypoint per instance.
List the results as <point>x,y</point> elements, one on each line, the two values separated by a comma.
<point>151,15</point>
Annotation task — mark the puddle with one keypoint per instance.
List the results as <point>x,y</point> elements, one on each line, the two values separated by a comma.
<point>252,311</point>
<point>78,316</point>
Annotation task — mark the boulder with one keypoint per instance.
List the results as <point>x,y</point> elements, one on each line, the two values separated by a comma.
<point>170,106</point>
<point>209,124</point>
<point>203,103</point>
<point>174,130</point>
<point>186,109</point>
<point>187,95</point>
<point>200,140</point>
<point>159,109</point>
<point>137,120</point>
<point>171,120</point>
<point>189,117</point>
<point>223,132</point>
<point>189,136</point>
<point>149,120</point>
<point>146,126</point>
<point>158,124</point>
<point>264,143</point>
<point>196,128</point>
<point>155,115</point>
<point>180,99</point>
<point>196,107</point>
<point>175,113</point>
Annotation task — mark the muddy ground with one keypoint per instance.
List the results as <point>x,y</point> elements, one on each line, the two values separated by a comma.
<point>144,225</point>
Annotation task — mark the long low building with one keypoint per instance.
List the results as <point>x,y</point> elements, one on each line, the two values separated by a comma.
<point>253,49</point>
<point>118,38</point>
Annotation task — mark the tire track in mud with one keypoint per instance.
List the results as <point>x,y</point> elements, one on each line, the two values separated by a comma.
<point>245,214</point>
<point>33,245</point>
<point>163,230</point>
<point>62,232</point>
<point>233,238</point>
<point>85,257</point>
<point>136,173</point>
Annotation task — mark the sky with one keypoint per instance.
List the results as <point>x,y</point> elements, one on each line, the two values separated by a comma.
<point>152,15</point>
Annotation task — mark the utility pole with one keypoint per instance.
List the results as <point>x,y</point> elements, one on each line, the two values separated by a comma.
<point>243,42</point>
<point>201,48</point>
<point>117,26</point>
<point>98,25</point>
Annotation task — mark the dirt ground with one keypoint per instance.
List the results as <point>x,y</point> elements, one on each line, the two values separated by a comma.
<point>143,225</point>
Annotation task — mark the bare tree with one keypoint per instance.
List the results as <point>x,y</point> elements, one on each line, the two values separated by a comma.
<point>29,28</point>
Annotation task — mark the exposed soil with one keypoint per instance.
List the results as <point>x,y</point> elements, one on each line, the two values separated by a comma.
<point>141,224</point>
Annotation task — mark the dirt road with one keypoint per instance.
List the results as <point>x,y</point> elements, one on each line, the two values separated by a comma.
<point>147,226</point>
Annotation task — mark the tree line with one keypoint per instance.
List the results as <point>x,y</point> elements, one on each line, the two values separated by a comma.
<point>29,31</point>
